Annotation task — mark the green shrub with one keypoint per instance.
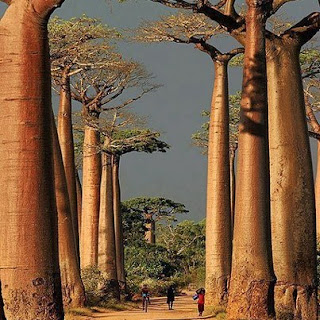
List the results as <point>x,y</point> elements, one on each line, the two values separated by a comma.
<point>98,289</point>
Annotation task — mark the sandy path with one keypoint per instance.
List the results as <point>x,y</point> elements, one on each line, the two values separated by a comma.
<point>184,308</point>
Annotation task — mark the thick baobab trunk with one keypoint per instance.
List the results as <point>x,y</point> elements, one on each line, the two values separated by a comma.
<point>218,218</point>
<point>72,287</point>
<point>292,190</point>
<point>90,198</point>
<point>232,184</point>
<point>67,149</point>
<point>252,279</point>
<point>107,248</point>
<point>118,219</point>
<point>79,201</point>
<point>29,272</point>
<point>150,233</point>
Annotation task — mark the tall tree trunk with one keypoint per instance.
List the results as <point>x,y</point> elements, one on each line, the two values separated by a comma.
<point>218,218</point>
<point>150,235</point>
<point>107,247</point>
<point>67,149</point>
<point>232,185</point>
<point>72,287</point>
<point>118,219</point>
<point>292,190</point>
<point>29,271</point>
<point>252,279</point>
<point>90,198</point>
<point>79,200</point>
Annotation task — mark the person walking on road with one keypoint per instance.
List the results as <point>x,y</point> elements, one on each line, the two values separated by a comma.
<point>200,296</point>
<point>170,297</point>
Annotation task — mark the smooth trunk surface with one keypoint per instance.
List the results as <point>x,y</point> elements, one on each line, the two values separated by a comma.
<point>118,219</point>
<point>292,190</point>
<point>107,248</point>
<point>72,287</point>
<point>79,201</point>
<point>218,217</point>
<point>29,272</point>
<point>150,233</point>
<point>252,279</point>
<point>90,198</point>
<point>232,185</point>
<point>67,149</point>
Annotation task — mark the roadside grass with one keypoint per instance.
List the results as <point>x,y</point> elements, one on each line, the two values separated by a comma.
<point>218,312</point>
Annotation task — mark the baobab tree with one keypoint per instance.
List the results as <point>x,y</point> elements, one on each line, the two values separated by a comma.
<point>96,89</point>
<point>294,250</point>
<point>122,142</point>
<point>198,29</point>
<point>253,273</point>
<point>29,271</point>
<point>73,43</point>
<point>201,139</point>
<point>155,209</point>
<point>72,287</point>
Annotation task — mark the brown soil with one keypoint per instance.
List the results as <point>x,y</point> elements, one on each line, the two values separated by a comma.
<point>183,308</point>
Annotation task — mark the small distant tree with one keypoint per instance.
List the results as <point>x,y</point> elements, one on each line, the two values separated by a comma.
<point>155,209</point>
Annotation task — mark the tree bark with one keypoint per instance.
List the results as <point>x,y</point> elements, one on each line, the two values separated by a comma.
<point>292,190</point>
<point>29,271</point>
<point>232,185</point>
<point>317,191</point>
<point>79,201</point>
<point>252,278</point>
<point>72,287</point>
<point>90,198</point>
<point>218,217</point>
<point>65,134</point>
<point>150,235</point>
<point>107,247</point>
<point>118,219</point>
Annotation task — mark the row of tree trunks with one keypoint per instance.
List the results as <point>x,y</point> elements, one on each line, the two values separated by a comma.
<point>252,278</point>
<point>72,287</point>
<point>218,219</point>
<point>29,271</point>
<point>292,189</point>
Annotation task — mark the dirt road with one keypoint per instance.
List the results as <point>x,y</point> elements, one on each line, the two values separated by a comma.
<point>184,308</point>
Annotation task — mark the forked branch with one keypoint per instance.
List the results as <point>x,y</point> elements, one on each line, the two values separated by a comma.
<point>304,30</point>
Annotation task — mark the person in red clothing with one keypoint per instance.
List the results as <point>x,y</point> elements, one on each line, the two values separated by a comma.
<point>200,293</point>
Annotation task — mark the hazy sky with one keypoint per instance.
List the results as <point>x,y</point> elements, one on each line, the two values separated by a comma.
<point>175,109</point>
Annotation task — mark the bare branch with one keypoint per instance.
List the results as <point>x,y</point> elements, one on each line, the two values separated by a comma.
<point>314,135</point>
<point>129,101</point>
<point>304,30</point>
<point>178,4</point>
<point>214,14</point>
